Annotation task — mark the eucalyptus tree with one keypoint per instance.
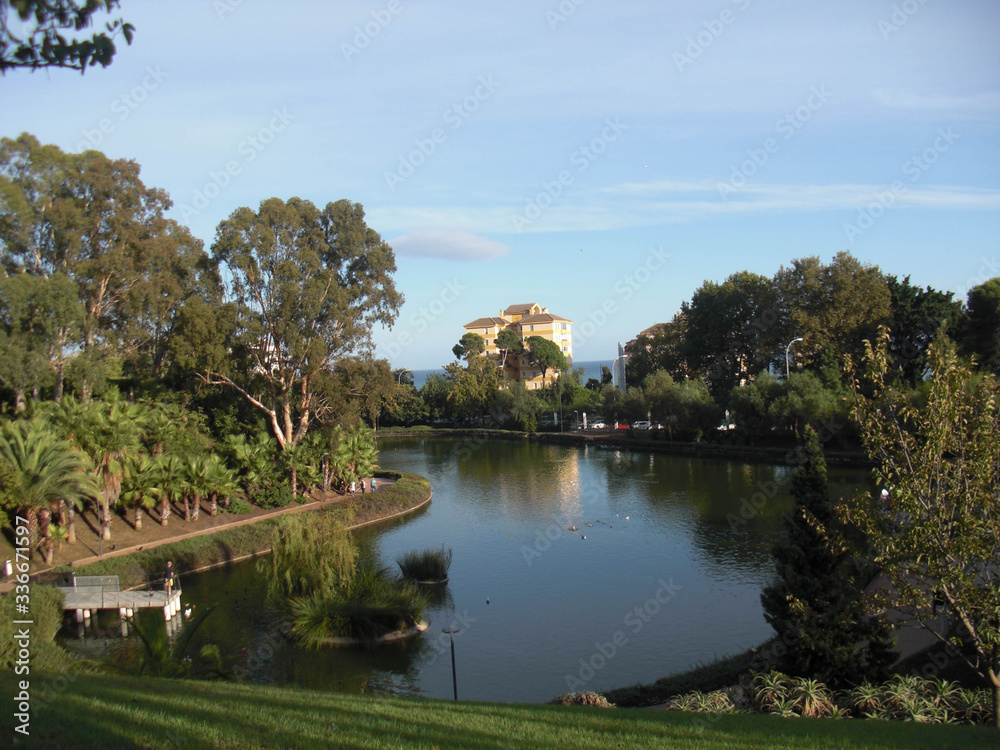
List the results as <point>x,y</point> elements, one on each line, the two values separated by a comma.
<point>307,286</point>
<point>44,470</point>
<point>92,219</point>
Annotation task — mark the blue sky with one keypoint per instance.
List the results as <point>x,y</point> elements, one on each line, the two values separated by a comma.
<point>600,158</point>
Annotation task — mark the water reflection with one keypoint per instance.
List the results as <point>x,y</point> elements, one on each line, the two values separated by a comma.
<point>556,549</point>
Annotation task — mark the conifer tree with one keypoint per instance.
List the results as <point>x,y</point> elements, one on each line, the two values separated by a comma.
<point>815,605</point>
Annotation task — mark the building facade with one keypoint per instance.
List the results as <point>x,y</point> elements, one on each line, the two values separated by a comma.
<point>525,320</point>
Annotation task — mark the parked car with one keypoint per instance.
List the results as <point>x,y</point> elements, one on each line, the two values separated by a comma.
<point>598,425</point>
<point>641,425</point>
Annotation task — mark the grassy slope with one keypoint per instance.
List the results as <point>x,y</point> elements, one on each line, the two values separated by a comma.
<point>107,712</point>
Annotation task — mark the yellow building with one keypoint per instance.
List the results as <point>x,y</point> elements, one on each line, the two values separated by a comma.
<point>525,320</point>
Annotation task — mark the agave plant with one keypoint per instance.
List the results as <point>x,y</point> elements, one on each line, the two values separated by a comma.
<point>811,697</point>
<point>865,698</point>
<point>770,688</point>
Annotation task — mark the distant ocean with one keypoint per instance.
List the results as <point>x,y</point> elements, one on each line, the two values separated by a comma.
<point>590,370</point>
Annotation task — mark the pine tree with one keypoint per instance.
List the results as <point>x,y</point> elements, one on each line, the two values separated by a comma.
<point>815,605</point>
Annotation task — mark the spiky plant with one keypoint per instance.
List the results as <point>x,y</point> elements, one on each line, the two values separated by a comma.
<point>427,565</point>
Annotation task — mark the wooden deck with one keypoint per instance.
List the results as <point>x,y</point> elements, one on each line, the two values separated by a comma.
<point>91,593</point>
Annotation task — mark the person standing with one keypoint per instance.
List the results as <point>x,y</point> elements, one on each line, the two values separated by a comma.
<point>168,578</point>
<point>373,484</point>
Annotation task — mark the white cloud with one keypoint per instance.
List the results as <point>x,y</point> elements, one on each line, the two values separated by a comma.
<point>982,101</point>
<point>453,244</point>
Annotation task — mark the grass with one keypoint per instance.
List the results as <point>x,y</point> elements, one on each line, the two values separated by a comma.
<point>426,565</point>
<point>111,712</point>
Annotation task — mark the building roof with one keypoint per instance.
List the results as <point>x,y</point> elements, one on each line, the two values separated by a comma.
<point>542,318</point>
<point>655,328</point>
<point>487,322</point>
<point>525,307</point>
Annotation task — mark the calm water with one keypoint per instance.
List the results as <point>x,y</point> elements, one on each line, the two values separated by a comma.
<point>669,575</point>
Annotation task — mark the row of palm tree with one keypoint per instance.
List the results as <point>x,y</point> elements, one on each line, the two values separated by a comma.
<point>66,456</point>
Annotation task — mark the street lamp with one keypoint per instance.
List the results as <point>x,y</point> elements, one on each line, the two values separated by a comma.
<point>451,630</point>
<point>399,378</point>
<point>787,348</point>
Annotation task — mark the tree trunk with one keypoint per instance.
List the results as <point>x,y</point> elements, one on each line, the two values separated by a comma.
<point>213,504</point>
<point>996,702</point>
<point>45,531</point>
<point>197,507</point>
<point>71,525</point>
<point>104,511</point>
<point>164,511</point>
<point>295,482</point>
<point>138,517</point>
<point>187,508</point>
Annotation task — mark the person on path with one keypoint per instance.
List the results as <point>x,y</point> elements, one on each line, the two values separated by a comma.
<point>373,484</point>
<point>168,577</point>
<point>353,487</point>
<point>362,486</point>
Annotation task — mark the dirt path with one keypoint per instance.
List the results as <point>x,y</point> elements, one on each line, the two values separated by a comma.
<point>126,539</point>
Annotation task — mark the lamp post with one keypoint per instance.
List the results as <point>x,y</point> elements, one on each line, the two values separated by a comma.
<point>451,630</point>
<point>399,378</point>
<point>787,348</point>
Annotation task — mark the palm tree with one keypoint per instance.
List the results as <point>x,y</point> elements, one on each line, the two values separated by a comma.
<point>169,478</point>
<point>197,475</point>
<point>108,433</point>
<point>44,469</point>
<point>221,481</point>
<point>138,492</point>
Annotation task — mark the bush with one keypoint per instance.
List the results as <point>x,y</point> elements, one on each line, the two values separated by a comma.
<point>46,613</point>
<point>428,565</point>
<point>270,495</point>
<point>238,506</point>
<point>584,699</point>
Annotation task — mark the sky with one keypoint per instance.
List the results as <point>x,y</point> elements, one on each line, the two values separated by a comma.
<point>602,159</point>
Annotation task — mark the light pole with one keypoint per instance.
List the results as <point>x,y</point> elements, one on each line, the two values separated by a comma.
<point>787,348</point>
<point>451,630</point>
<point>399,378</point>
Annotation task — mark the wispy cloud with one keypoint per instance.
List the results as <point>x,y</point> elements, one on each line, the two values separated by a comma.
<point>452,244</point>
<point>982,101</point>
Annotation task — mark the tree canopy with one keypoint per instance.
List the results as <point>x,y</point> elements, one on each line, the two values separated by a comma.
<point>307,286</point>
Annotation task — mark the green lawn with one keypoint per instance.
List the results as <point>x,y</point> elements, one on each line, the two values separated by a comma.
<point>108,712</point>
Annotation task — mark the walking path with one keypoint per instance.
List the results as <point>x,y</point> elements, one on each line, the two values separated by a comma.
<point>125,539</point>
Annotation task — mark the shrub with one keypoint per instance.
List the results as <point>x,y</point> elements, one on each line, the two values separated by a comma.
<point>238,506</point>
<point>270,495</point>
<point>584,699</point>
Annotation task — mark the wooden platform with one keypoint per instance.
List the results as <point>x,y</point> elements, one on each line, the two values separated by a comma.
<point>102,592</point>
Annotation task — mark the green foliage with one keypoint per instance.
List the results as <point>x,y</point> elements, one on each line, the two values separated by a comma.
<point>238,506</point>
<point>981,334</point>
<point>273,493</point>
<point>427,565</point>
<point>937,545</point>
<point>815,605</point>
<point>545,355</point>
<point>596,700</point>
<point>47,617</point>
<point>41,42</point>
<point>308,555</point>
<point>308,285</point>
<point>164,656</point>
<point>470,345</point>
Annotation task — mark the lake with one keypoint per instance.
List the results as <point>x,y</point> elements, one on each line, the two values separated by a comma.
<point>575,568</point>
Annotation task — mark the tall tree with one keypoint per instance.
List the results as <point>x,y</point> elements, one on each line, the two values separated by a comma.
<point>545,355</point>
<point>832,307</point>
<point>731,332</point>
<point>37,38</point>
<point>815,605</point>
<point>662,348</point>
<point>981,335</point>
<point>470,345</point>
<point>508,343</point>
<point>941,465</point>
<point>308,286</point>
<point>92,219</point>
<point>917,316</point>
